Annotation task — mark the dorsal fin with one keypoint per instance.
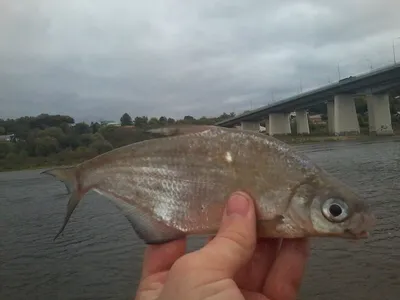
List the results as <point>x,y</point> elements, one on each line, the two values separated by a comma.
<point>180,129</point>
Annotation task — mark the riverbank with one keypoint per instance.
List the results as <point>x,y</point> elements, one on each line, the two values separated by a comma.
<point>301,139</point>
<point>34,163</point>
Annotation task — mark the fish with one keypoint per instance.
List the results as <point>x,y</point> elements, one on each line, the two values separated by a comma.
<point>177,185</point>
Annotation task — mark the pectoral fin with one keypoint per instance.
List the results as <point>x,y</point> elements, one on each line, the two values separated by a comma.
<point>270,228</point>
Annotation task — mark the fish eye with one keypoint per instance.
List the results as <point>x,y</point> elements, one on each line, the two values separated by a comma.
<point>335,210</point>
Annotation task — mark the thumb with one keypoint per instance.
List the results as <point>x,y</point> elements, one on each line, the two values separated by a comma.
<point>235,241</point>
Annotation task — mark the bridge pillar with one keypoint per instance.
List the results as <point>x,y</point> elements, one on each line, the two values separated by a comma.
<point>345,115</point>
<point>249,125</point>
<point>331,117</point>
<point>302,122</point>
<point>279,123</point>
<point>379,118</point>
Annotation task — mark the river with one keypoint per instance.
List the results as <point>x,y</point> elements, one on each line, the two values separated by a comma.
<point>99,256</point>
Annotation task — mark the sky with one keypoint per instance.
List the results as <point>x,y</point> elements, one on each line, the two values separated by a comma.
<point>97,59</point>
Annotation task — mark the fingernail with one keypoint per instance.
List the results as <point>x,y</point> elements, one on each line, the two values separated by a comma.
<point>237,204</point>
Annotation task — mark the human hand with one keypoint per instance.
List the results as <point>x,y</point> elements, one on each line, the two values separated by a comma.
<point>232,265</point>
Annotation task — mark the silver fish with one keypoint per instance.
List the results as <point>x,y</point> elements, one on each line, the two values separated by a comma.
<point>177,185</point>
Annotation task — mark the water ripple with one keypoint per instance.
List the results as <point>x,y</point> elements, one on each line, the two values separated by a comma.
<point>99,256</point>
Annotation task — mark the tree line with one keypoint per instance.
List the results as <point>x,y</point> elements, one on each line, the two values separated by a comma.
<point>57,140</point>
<point>146,122</point>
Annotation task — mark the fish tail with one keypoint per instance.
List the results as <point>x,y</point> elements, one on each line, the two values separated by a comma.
<point>65,175</point>
<point>68,175</point>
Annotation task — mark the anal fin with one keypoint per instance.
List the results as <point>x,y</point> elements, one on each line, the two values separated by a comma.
<point>151,231</point>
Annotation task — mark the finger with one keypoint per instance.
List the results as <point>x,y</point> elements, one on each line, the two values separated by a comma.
<point>235,241</point>
<point>160,258</point>
<point>250,295</point>
<point>286,274</point>
<point>209,239</point>
<point>252,275</point>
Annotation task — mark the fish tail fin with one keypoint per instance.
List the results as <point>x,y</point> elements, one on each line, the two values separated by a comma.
<point>65,175</point>
<point>68,176</point>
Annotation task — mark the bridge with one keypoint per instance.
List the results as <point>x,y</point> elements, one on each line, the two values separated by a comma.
<point>376,86</point>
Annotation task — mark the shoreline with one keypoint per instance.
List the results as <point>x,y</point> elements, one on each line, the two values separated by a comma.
<point>289,139</point>
<point>305,139</point>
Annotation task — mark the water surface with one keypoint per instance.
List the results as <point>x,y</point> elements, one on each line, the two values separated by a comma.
<point>99,255</point>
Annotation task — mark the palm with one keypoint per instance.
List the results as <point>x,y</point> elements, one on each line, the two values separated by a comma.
<point>270,274</point>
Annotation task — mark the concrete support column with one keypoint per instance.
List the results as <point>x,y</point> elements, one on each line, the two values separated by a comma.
<point>331,117</point>
<point>302,122</point>
<point>345,115</point>
<point>279,123</point>
<point>249,125</point>
<point>379,118</point>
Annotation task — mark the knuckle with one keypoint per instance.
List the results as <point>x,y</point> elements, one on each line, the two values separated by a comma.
<point>184,264</point>
<point>240,240</point>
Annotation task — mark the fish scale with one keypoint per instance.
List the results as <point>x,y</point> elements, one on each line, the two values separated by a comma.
<point>177,185</point>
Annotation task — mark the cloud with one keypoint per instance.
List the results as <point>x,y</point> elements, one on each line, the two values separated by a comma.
<point>98,59</point>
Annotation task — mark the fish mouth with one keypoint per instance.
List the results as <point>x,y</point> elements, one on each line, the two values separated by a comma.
<point>356,235</point>
<point>368,223</point>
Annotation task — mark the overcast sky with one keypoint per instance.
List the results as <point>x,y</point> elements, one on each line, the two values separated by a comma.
<point>96,59</point>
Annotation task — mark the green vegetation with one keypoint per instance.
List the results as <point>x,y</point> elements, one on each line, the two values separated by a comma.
<point>49,140</point>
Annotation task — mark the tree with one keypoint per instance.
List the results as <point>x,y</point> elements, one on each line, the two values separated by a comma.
<point>188,119</point>
<point>65,127</point>
<point>101,146</point>
<point>82,128</point>
<point>44,120</point>
<point>4,149</point>
<point>153,122</point>
<point>95,126</point>
<point>141,121</point>
<point>361,105</point>
<point>46,146</point>
<point>126,120</point>
<point>86,139</point>
<point>55,132</point>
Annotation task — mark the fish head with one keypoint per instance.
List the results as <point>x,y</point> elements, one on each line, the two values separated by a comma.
<point>327,207</point>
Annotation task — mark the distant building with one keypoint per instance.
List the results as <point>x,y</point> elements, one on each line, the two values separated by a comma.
<point>111,123</point>
<point>316,119</point>
<point>7,138</point>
